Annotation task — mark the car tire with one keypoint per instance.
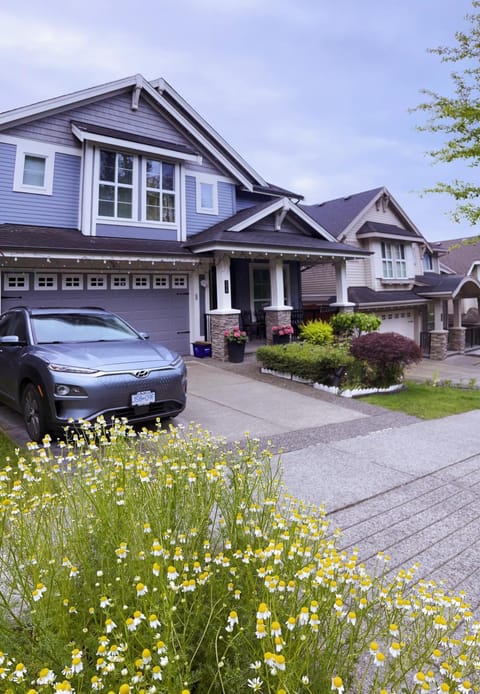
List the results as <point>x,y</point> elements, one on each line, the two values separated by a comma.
<point>34,413</point>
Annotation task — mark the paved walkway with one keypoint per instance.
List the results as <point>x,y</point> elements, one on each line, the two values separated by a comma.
<point>390,481</point>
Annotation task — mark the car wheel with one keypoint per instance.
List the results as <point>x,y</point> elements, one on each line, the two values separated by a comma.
<point>34,413</point>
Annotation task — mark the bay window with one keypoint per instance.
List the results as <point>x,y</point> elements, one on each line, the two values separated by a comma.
<point>136,188</point>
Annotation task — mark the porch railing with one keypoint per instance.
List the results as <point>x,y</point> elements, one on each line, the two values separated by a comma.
<point>425,343</point>
<point>472,336</point>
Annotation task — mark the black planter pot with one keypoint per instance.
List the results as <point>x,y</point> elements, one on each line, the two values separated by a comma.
<point>280,339</point>
<point>236,352</point>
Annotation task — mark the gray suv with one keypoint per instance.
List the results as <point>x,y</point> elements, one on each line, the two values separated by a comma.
<point>61,365</point>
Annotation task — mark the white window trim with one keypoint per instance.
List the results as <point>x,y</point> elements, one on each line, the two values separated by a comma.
<point>121,277</point>
<point>394,260</point>
<point>93,277</point>
<point>34,149</point>
<point>134,188</point>
<point>161,282</point>
<point>50,275</point>
<point>143,193</point>
<point>139,279</point>
<point>66,288</point>
<point>182,281</point>
<point>212,181</point>
<point>17,275</point>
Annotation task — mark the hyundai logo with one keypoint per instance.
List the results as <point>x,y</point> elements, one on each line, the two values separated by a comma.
<point>141,374</point>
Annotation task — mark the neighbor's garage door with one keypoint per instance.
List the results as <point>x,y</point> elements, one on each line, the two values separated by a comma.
<point>155,304</point>
<point>402,322</point>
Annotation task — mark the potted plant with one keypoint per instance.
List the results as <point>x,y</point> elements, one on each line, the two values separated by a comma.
<point>281,334</point>
<point>235,339</point>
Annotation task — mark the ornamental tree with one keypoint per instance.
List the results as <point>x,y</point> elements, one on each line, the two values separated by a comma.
<point>384,357</point>
<point>457,117</point>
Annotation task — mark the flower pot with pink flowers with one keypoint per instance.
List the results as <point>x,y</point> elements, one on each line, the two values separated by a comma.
<point>281,334</point>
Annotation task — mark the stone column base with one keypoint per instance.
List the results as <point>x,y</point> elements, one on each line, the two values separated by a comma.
<point>456,339</point>
<point>276,316</point>
<point>219,323</point>
<point>438,344</point>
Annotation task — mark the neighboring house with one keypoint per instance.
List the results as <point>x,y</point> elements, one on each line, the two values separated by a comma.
<point>462,257</point>
<point>401,280</point>
<point>122,196</point>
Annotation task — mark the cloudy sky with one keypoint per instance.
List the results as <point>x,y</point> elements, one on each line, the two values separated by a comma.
<point>314,94</point>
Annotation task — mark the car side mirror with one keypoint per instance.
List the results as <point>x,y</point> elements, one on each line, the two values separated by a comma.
<point>10,340</point>
<point>145,336</point>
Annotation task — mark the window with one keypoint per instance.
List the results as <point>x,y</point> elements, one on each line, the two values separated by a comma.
<point>160,282</point>
<point>141,282</point>
<point>124,180</point>
<point>394,263</point>
<point>179,281</point>
<point>119,282</point>
<point>428,262</point>
<point>15,280</point>
<point>45,282</point>
<point>34,169</point>
<point>207,197</point>
<point>72,282</point>
<point>96,281</point>
<point>115,190</point>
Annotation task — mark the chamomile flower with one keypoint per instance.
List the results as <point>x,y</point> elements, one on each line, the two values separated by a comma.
<point>337,684</point>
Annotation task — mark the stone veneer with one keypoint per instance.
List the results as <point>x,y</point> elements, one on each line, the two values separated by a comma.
<point>275,316</point>
<point>456,339</point>
<point>219,323</point>
<point>438,344</point>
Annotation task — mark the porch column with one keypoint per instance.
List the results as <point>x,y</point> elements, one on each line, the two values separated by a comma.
<point>224,317</point>
<point>342,301</point>
<point>277,313</point>
<point>457,313</point>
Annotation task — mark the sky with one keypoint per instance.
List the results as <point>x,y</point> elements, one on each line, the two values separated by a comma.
<point>316,95</point>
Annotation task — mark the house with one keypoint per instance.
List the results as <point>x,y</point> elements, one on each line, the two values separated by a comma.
<point>401,280</point>
<point>123,196</point>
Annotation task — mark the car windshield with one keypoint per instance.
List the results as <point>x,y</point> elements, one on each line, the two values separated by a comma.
<point>79,327</point>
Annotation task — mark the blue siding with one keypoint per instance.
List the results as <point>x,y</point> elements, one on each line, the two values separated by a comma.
<point>226,206</point>
<point>58,210</point>
<point>135,232</point>
<point>243,202</point>
<point>113,112</point>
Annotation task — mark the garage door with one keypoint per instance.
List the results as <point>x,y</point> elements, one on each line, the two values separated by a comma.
<point>151,303</point>
<point>402,322</point>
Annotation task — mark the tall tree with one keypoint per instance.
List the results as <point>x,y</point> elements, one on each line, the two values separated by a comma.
<point>457,117</point>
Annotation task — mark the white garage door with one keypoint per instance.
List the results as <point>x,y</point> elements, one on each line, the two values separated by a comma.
<point>402,322</point>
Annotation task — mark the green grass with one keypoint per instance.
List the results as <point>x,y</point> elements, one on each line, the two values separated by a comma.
<point>7,450</point>
<point>428,401</point>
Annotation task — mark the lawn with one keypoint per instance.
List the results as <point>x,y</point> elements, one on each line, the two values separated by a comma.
<point>7,449</point>
<point>428,401</point>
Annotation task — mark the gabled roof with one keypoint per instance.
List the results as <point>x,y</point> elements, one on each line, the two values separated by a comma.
<point>436,285</point>
<point>380,230</point>
<point>364,297</point>
<point>459,254</point>
<point>246,231</point>
<point>166,99</point>
<point>340,215</point>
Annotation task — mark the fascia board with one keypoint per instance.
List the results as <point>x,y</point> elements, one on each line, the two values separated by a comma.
<point>392,237</point>
<point>284,203</point>
<point>99,255</point>
<point>25,113</point>
<point>275,250</point>
<point>135,146</point>
<point>162,85</point>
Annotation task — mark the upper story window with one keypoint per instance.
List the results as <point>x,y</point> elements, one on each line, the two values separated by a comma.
<point>427,262</point>
<point>207,195</point>
<point>33,168</point>
<point>394,263</point>
<point>125,179</point>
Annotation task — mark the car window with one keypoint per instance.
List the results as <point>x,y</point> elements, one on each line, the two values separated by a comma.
<point>76,327</point>
<point>13,324</point>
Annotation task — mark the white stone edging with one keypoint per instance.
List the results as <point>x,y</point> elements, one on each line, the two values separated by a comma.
<point>334,390</point>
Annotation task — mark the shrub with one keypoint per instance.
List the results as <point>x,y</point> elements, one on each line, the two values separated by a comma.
<point>384,357</point>
<point>317,332</point>
<point>317,363</point>
<point>349,325</point>
<point>161,563</point>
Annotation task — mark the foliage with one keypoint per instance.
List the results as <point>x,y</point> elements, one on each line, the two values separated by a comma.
<point>8,450</point>
<point>235,335</point>
<point>457,117</point>
<point>165,562</point>
<point>348,325</point>
<point>316,332</point>
<point>282,330</point>
<point>384,357</point>
<point>428,401</point>
<point>317,363</point>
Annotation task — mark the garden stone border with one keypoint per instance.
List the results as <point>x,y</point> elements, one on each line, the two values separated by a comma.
<point>333,390</point>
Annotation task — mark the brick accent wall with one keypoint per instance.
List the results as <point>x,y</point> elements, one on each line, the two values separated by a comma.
<point>438,344</point>
<point>219,323</point>
<point>456,339</point>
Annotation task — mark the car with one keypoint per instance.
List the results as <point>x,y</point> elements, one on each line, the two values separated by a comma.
<point>62,365</point>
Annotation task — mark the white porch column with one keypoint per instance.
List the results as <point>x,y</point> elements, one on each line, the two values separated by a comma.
<point>437,314</point>
<point>276,284</point>
<point>457,313</point>
<point>224,284</point>
<point>342,286</point>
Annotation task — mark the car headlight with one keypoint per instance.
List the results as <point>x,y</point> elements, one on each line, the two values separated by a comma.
<point>65,368</point>
<point>64,390</point>
<point>176,362</point>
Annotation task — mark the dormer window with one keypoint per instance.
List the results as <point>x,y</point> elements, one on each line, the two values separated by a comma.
<point>394,263</point>
<point>115,191</point>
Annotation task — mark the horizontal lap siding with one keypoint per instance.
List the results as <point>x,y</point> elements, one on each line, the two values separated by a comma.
<point>59,209</point>
<point>114,112</point>
<point>198,222</point>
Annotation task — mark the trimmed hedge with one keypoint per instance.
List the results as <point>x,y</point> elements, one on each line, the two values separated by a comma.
<point>318,363</point>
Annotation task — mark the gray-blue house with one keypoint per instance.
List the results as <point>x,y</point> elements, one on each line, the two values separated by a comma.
<point>122,196</point>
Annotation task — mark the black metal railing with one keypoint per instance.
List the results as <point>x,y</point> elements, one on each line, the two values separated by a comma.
<point>472,336</point>
<point>425,343</point>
